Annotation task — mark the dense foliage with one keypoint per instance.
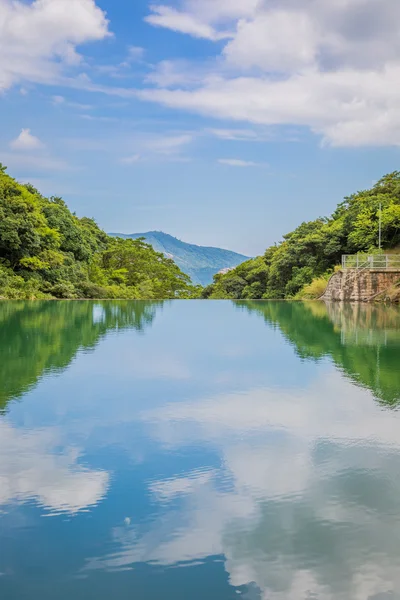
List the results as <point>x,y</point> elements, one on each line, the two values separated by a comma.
<point>313,249</point>
<point>199,262</point>
<point>48,252</point>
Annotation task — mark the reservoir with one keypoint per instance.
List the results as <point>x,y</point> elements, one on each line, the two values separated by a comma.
<point>199,450</point>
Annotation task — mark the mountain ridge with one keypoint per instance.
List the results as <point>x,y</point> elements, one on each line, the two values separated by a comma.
<point>201,263</point>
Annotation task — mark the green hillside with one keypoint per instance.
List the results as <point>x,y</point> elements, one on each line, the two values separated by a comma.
<point>48,252</point>
<point>309,253</point>
<point>201,263</point>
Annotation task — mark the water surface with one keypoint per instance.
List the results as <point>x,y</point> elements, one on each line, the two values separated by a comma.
<point>199,450</point>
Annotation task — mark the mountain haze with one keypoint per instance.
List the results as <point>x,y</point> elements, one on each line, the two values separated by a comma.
<point>201,263</point>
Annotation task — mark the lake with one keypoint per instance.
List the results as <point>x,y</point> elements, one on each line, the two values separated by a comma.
<point>193,450</point>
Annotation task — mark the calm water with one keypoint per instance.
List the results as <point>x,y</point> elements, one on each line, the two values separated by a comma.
<point>199,451</point>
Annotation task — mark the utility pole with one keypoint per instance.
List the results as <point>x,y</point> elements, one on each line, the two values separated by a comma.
<point>380,226</point>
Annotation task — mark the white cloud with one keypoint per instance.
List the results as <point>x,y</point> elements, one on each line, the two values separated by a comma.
<point>198,17</point>
<point>39,39</point>
<point>347,107</point>
<point>330,66</point>
<point>172,73</point>
<point>223,11</point>
<point>26,141</point>
<point>245,135</point>
<point>33,469</point>
<point>135,54</point>
<point>236,162</point>
<point>264,42</point>
<point>164,16</point>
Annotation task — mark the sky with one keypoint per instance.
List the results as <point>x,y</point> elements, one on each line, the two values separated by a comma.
<point>222,122</point>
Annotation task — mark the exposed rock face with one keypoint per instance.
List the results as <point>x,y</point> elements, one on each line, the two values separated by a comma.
<point>352,285</point>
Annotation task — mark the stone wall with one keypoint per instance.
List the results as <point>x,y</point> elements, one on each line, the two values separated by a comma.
<point>352,285</point>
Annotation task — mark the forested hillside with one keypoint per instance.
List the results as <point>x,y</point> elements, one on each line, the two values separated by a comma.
<point>48,252</point>
<point>201,263</point>
<point>310,252</point>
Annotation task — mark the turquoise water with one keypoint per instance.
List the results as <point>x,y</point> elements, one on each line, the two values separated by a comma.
<point>199,450</point>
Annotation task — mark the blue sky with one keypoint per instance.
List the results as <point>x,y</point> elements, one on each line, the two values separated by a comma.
<point>223,122</point>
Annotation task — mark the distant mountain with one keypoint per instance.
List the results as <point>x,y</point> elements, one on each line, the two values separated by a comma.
<point>199,262</point>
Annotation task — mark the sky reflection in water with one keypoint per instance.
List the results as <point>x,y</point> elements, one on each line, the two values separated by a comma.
<point>255,446</point>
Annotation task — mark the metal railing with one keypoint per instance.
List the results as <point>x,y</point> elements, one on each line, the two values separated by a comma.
<point>371,261</point>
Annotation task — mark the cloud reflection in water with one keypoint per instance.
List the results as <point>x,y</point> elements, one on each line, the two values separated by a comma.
<point>302,505</point>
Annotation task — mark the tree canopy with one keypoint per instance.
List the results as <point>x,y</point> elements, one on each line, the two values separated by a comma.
<point>48,252</point>
<point>313,249</point>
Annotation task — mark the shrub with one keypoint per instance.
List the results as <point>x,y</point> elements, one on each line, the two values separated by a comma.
<point>313,290</point>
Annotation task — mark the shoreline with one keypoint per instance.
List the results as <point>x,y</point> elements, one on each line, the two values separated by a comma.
<point>306,300</point>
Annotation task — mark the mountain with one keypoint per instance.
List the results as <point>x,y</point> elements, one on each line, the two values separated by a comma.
<point>201,263</point>
<point>48,252</point>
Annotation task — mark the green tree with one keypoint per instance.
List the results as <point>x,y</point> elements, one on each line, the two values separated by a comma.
<point>312,250</point>
<point>46,251</point>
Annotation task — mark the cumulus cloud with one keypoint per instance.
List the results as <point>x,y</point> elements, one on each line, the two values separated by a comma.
<point>26,141</point>
<point>29,152</point>
<point>39,38</point>
<point>352,32</point>
<point>330,66</point>
<point>264,42</point>
<point>346,108</point>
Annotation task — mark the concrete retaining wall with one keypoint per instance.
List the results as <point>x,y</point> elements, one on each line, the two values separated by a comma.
<point>352,285</point>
